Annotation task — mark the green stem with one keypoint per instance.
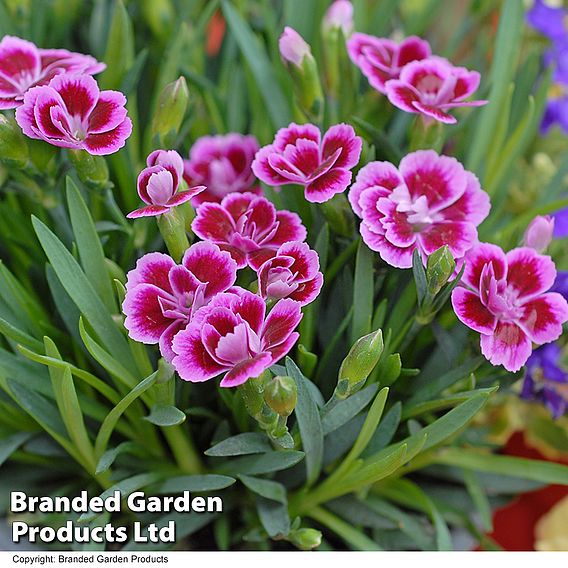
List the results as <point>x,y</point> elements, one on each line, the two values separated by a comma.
<point>183,450</point>
<point>345,531</point>
<point>340,261</point>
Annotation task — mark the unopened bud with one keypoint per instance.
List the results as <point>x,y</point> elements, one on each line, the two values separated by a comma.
<point>13,146</point>
<point>92,170</point>
<point>539,233</point>
<point>305,539</point>
<point>170,112</point>
<point>439,269</point>
<point>339,16</point>
<point>359,363</point>
<point>303,69</point>
<point>281,394</point>
<point>339,215</point>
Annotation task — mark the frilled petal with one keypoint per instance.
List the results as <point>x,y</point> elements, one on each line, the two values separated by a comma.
<point>213,222</point>
<point>401,95</point>
<point>49,114</point>
<point>108,112</point>
<point>369,204</point>
<point>160,187</point>
<point>412,48</point>
<point>263,169</point>
<point>508,346</point>
<point>144,319</point>
<point>290,228</point>
<point>395,256</point>
<point>79,92</point>
<point>441,179</point>
<point>148,211</point>
<point>467,83</point>
<point>305,260</point>
<point>383,174</point>
<point>434,112</point>
<point>182,281</point>
<point>25,114</point>
<point>245,370</point>
<point>459,236</point>
<point>542,318</point>
<point>257,258</point>
<point>183,196</point>
<point>308,291</point>
<point>326,186</point>
<point>342,137</point>
<point>109,142</point>
<point>294,132</point>
<point>286,170</point>
<point>19,60</point>
<point>153,268</point>
<point>397,229</point>
<point>529,273</point>
<point>284,348</point>
<point>252,309</point>
<point>192,361</point>
<point>167,339</point>
<point>280,323</point>
<point>210,265</point>
<point>472,312</point>
<point>304,156</point>
<point>473,206</point>
<point>479,256</point>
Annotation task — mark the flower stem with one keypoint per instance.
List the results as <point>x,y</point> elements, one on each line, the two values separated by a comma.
<point>183,450</point>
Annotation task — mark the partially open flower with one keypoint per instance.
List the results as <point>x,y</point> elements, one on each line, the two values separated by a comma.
<point>248,227</point>
<point>23,65</point>
<point>433,86</point>
<point>381,59</point>
<point>71,112</point>
<point>293,273</point>
<point>162,296</point>
<point>299,156</point>
<point>539,233</point>
<point>233,335</point>
<point>505,298</point>
<point>222,163</point>
<point>428,202</point>
<point>159,183</point>
<point>339,15</point>
<point>293,47</point>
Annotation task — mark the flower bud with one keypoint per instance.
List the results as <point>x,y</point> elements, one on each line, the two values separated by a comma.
<point>303,69</point>
<point>293,47</point>
<point>539,233</point>
<point>13,147</point>
<point>305,539</point>
<point>339,15</point>
<point>92,170</point>
<point>439,268</point>
<point>169,114</point>
<point>281,394</point>
<point>359,363</point>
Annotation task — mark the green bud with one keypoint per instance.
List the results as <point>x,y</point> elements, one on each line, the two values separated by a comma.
<point>359,363</point>
<point>160,16</point>
<point>13,147</point>
<point>92,170</point>
<point>172,228</point>
<point>170,111</point>
<point>281,394</point>
<point>439,268</point>
<point>305,539</point>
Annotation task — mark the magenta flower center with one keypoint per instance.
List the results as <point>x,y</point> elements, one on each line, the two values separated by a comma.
<point>280,282</point>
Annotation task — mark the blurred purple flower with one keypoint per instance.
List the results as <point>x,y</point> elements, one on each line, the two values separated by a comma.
<point>548,20</point>
<point>561,222</point>
<point>546,380</point>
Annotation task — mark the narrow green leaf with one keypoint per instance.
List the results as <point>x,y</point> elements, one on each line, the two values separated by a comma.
<point>107,459</point>
<point>10,444</point>
<point>363,288</point>
<point>263,463</point>
<point>260,66</point>
<point>479,498</point>
<point>535,470</point>
<point>344,410</point>
<point>114,415</point>
<point>195,483</point>
<point>77,285</point>
<point>274,517</point>
<point>18,336</point>
<point>385,431</point>
<point>68,404</point>
<point>241,444</point>
<point>309,423</point>
<point>265,488</point>
<point>89,246</point>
